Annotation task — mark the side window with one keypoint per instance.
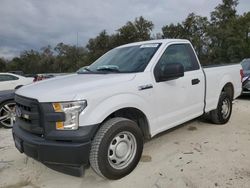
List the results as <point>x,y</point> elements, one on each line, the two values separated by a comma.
<point>5,77</point>
<point>179,53</point>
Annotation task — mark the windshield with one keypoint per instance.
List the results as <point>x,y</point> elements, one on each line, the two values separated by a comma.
<point>125,59</point>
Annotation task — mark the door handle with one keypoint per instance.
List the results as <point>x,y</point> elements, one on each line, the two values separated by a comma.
<point>195,81</point>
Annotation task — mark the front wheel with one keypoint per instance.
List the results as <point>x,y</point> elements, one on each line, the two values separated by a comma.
<point>222,113</point>
<point>116,148</point>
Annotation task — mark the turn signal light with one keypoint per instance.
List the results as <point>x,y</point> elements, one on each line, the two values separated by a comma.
<point>59,125</point>
<point>57,107</point>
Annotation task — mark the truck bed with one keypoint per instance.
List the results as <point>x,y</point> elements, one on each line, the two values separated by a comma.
<point>216,77</point>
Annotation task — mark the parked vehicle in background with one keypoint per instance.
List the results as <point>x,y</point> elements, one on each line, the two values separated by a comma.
<point>47,76</point>
<point>9,81</point>
<point>133,92</point>
<point>17,72</point>
<point>7,108</point>
<point>30,75</point>
<point>246,76</point>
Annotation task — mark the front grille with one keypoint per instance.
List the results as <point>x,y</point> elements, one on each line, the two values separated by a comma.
<point>29,115</point>
<point>246,86</point>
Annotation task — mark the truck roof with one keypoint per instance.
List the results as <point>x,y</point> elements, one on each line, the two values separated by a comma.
<point>163,41</point>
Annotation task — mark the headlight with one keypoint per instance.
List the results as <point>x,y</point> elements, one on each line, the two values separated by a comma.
<point>72,111</point>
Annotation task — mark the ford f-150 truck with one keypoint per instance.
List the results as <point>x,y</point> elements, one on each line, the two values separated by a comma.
<point>102,115</point>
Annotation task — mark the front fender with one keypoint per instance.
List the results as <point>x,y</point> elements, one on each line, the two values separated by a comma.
<point>95,114</point>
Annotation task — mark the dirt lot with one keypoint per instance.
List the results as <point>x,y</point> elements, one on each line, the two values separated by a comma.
<point>196,154</point>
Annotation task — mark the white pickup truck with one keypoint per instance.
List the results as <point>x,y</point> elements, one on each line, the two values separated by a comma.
<point>103,114</point>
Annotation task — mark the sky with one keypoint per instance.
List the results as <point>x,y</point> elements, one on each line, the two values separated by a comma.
<point>33,24</point>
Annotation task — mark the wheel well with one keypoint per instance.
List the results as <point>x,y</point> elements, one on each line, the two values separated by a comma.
<point>136,115</point>
<point>17,87</point>
<point>229,89</point>
<point>7,100</point>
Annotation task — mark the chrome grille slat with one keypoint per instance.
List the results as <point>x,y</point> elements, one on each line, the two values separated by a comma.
<point>30,114</point>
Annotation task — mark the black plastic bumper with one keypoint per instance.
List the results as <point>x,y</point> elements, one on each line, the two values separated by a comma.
<point>52,153</point>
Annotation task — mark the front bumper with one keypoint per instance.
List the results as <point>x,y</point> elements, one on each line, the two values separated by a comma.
<point>66,154</point>
<point>35,135</point>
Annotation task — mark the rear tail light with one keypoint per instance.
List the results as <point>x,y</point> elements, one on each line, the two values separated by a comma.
<point>241,74</point>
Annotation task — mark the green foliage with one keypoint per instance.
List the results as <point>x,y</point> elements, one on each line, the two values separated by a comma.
<point>139,30</point>
<point>225,38</point>
<point>224,12</point>
<point>173,31</point>
<point>192,28</point>
<point>2,65</point>
<point>99,45</point>
<point>223,31</point>
<point>69,58</point>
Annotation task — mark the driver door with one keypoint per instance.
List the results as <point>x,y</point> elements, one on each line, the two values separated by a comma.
<point>180,99</point>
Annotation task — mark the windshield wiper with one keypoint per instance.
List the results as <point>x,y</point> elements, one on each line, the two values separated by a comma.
<point>108,68</point>
<point>87,69</point>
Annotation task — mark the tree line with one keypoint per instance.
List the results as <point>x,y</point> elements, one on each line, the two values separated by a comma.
<point>222,38</point>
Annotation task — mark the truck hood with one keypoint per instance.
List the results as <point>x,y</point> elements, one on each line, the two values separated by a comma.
<point>67,88</point>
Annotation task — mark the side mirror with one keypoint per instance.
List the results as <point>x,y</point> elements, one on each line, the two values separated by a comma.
<point>171,71</point>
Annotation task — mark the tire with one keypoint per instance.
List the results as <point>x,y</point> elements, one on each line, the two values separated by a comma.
<point>7,114</point>
<point>222,113</point>
<point>116,148</point>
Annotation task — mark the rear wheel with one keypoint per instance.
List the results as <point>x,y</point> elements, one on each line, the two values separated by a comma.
<point>222,113</point>
<point>116,148</point>
<point>7,114</point>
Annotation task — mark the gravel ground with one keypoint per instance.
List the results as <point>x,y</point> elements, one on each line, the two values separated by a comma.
<point>196,154</point>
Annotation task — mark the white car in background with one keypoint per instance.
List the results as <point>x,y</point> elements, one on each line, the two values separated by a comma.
<point>9,81</point>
